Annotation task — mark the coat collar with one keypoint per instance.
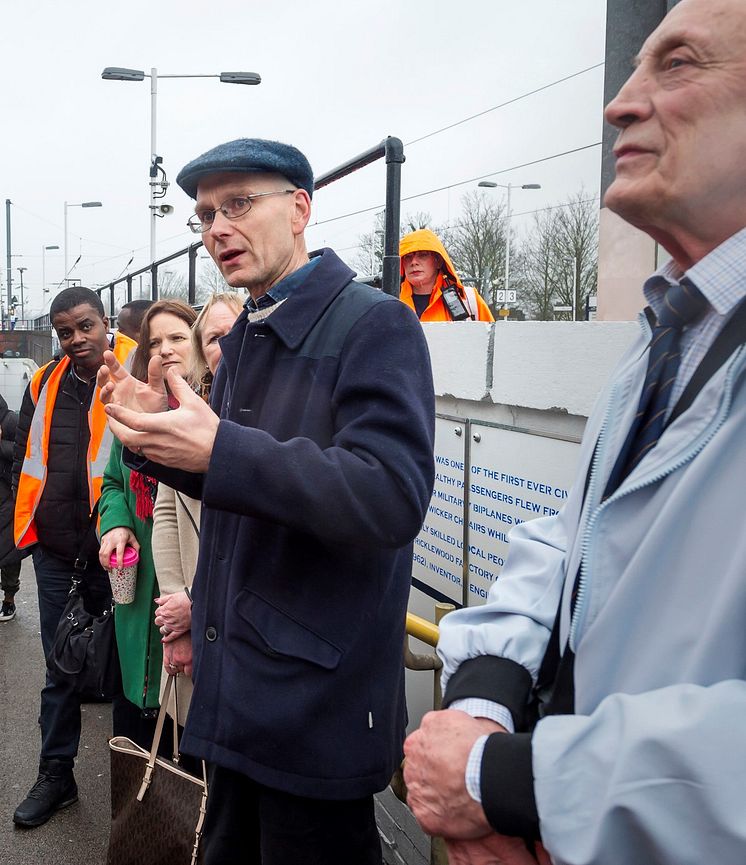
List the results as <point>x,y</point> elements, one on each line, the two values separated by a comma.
<point>295,319</point>
<point>298,315</point>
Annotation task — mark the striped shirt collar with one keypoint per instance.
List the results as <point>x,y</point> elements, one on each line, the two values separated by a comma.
<point>720,276</point>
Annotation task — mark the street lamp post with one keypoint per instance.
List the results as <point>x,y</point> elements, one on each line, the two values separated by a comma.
<point>118,73</point>
<point>574,263</point>
<point>44,288</point>
<point>489,184</point>
<point>20,270</point>
<point>81,204</point>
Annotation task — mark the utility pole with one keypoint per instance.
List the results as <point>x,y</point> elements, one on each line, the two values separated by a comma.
<point>7,246</point>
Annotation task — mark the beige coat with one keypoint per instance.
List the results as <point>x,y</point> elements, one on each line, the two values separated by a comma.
<point>175,550</point>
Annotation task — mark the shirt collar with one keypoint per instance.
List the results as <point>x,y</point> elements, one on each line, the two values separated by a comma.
<point>283,289</point>
<point>719,276</point>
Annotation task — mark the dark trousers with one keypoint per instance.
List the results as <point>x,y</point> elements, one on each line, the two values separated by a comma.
<point>10,579</point>
<point>60,705</point>
<point>248,824</point>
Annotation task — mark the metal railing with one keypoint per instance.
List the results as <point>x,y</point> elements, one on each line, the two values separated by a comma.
<point>144,283</point>
<point>427,632</point>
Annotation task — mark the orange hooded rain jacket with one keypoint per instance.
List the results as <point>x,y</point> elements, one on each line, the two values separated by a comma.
<point>426,240</point>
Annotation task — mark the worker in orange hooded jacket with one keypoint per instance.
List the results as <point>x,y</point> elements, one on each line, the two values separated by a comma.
<point>428,272</point>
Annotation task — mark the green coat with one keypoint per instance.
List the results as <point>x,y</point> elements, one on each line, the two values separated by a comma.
<point>138,638</point>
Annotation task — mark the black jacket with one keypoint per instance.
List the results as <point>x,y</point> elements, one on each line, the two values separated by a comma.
<point>8,419</point>
<point>320,478</point>
<point>62,516</point>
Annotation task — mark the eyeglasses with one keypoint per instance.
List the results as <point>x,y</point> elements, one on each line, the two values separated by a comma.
<point>231,208</point>
<point>418,254</point>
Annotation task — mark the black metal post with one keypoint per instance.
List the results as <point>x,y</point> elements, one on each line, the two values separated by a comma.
<point>393,149</point>
<point>192,289</point>
<point>154,281</point>
<point>394,159</point>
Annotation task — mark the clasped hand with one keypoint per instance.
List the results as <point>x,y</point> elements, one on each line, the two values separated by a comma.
<point>434,770</point>
<point>174,614</point>
<point>139,417</point>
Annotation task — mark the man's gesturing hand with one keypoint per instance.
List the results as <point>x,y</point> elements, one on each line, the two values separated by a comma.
<point>436,756</point>
<point>182,438</point>
<point>119,387</point>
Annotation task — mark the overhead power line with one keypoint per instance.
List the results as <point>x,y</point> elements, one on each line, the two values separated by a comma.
<point>460,183</point>
<point>503,104</point>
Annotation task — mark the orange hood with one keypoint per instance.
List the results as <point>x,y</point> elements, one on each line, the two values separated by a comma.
<point>424,240</point>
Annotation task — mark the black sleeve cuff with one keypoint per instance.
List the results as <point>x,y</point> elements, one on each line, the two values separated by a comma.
<point>507,786</point>
<point>497,679</point>
<point>188,483</point>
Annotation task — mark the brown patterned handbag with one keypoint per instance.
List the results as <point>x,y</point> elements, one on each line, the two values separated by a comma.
<point>157,809</point>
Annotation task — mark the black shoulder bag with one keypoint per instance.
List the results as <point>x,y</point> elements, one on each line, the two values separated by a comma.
<point>84,652</point>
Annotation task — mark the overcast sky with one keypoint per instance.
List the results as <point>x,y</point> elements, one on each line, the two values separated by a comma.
<point>337,77</point>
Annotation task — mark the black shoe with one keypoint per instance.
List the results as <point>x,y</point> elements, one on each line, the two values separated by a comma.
<point>55,788</point>
<point>7,611</point>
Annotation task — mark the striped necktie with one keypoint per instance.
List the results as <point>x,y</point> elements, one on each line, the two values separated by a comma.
<point>683,304</point>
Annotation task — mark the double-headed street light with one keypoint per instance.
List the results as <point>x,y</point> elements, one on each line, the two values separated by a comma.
<point>489,184</point>
<point>81,204</point>
<point>158,187</point>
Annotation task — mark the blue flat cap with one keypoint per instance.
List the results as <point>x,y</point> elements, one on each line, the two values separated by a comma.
<point>248,154</point>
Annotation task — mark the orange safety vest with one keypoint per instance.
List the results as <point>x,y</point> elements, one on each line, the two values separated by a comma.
<point>34,470</point>
<point>436,310</point>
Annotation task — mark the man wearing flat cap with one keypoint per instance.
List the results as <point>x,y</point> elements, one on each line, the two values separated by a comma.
<point>314,465</point>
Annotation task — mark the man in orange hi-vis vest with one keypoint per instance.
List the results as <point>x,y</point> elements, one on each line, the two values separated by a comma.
<point>61,449</point>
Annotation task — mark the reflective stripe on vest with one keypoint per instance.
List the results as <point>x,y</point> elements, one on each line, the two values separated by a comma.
<point>34,470</point>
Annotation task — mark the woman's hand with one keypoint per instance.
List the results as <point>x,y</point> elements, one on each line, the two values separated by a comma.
<point>177,655</point>
<point>173,616</point>
<point>116,540</point>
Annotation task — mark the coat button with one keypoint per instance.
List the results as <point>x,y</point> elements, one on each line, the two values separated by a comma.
<point>211,634</point>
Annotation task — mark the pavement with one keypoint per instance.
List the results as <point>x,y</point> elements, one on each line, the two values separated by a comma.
<point>77,835</point>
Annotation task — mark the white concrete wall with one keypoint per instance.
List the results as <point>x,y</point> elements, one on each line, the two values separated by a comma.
<point>534,366</point>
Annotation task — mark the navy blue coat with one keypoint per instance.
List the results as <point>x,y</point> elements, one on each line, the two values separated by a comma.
<point>319,480</point>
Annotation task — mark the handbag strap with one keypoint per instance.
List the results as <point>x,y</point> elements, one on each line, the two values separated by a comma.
<point>156,740</point>
<point>153,756</point>
<point>188,513</point>
<point>176,722</point>
<point>87,546</point>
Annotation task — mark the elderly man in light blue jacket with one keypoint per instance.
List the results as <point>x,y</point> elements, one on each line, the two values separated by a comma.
<point>620,624</point>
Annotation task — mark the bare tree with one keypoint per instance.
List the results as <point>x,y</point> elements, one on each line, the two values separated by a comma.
<point>209,281</point>
<point>538,267</point>
<point>476,243</point>
<point>171,285</point>
<point>416,221</point>
<point>577,250</point>
<point>369,258</point>
<point>560,258</point>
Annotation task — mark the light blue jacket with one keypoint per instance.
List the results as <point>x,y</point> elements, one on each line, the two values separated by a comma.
<point>652,768</point>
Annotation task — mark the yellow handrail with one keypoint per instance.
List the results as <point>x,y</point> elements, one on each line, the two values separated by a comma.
<point>421,629</point>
